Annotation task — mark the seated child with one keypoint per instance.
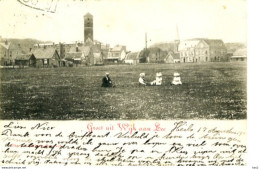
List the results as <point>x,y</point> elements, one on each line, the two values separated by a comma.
<point>158,80</point>
<point>141,79</point>
<point>176,79</point>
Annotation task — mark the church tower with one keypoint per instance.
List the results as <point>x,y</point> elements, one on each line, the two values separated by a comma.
<point>88,27</point>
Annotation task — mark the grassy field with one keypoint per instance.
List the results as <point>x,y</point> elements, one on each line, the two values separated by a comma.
<point>209,91</point>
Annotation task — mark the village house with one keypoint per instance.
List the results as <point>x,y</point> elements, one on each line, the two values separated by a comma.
<point>78,54</point>
<point>8,52</point>
<point>4,53</point>
<point>46,57</point>
<point>202,50</point>
<point>88,53</point>
<point>132,58</point>
<point>239,55</point>
<point>74,57</point>
<point>116,54</point>
<point>25,60</point>
<point>60,47</point>
<point>172,57</point>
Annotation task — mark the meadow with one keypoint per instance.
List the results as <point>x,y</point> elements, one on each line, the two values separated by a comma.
<point>209,91</point>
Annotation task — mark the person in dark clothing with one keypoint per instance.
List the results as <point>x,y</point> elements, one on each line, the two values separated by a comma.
<point>106,81</point>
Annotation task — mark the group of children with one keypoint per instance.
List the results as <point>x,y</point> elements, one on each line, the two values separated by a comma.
<point>107,82</point>
<point>158,80</point>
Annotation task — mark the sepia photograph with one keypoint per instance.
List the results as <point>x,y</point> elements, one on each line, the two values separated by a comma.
<point>124,83</point>
<point>122,60</point>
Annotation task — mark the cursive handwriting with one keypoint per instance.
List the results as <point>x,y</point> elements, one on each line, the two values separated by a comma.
<point>178,143</point>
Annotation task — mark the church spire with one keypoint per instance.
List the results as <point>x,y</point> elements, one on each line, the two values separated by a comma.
<point>176,40</point>
<point>176,35</point>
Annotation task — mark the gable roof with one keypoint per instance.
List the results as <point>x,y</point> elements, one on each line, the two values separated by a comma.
<point>188,44</point>
<point>89,41</point>
<point>118,48</point>
<point>132,56</point>
<point>16,47</point>
<point>24,56</point>
<point>241,52</point>
<point>214,42</point>
<point>191,43</point>
<point>6,46</point>
<point>172,55</point>
<point>44,53</point>
<point>88,14</point>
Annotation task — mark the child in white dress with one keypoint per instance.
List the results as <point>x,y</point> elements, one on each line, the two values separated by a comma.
<point>158,79</point>
<point>176,79</point>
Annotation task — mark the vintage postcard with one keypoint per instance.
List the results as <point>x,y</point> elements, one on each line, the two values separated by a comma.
<point>123,83</point>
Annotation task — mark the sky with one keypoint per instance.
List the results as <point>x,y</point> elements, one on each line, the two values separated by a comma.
<point>125,22</point>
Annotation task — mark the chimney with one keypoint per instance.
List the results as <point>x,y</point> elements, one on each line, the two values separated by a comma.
<point>62,50</point>
<point>6,42</point>
<point>77,47</point>
<point>30,49</point>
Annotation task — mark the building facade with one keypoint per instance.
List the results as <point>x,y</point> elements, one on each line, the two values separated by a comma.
<point>202,50</point>
<point>46,57</point>
<point>239,55</point>
<point>132,58</point>
<point>8,52</point>
<point>116,54</point>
